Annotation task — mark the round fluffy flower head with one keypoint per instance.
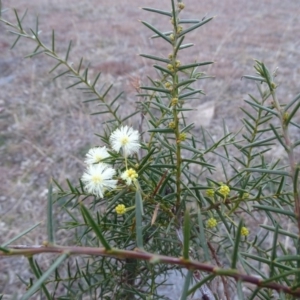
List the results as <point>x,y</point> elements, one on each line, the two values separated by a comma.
<point>127,139</point>
<point>224,190</point>
<point>244,231</point>
<point>120,209</point>
<point>210,192</point>
<point>98,178</point>
<point>129,176</point>
<point>95,155</point>
<point>211,223</point>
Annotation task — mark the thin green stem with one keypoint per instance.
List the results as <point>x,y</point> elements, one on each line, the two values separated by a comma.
<point>175,95</point>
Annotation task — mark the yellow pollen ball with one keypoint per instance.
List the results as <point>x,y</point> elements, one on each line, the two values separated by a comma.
<point>244,231</point>
<point>211,223</point>
<point>120,209</point>
<point>224,190</point>
<point>210,192</point>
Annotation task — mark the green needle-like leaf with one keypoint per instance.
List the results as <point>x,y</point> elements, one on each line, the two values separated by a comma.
<point>184,67</point>
<point>162,130</point>
<point>186,285</point>
<point>286,258</point>
<point>157,32</point>
<point>189,21</point>
<point>186,82</point>
<point>50,221</point>
<point>18,20</point>
<point>194,27</point>
<point>296,178</point>
<point>267,171</point>
<point>162,12</point>
<point>201,283</point>
<point>95,227</point>
<point>275,210</point>
<point>43,278</point>
<point>281,231</point>
<point>261,79</point>
<point>68,51</point>
<point>274,252</point>
<point>138,219</point>
<point>260,143</point>
<point>279,138</point>
<point>240,291</point>
<point>20,235</point>
<point>184,46</point>
<point>164,70</point>
<point>270,110</point>
<point>5,250</point>
<point>38,273</point>
<point>179,42</point>
<point>167,61</point>
<point>182,96</point>
<point>235,251</point>
<point>186,235</point>
<point>15,42</point>
<point>61,74</point>
<point>202,237</point>
<point>151,88</point>
<point>295,100</point>
<point>74,84</point>
<point>292,113</point>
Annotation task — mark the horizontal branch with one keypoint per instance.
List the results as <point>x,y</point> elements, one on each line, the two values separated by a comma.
<point>152,258</point>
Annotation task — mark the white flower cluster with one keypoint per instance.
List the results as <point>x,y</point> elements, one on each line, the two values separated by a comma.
<point>99,175</point>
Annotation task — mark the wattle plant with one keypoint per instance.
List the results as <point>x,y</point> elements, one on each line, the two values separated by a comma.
<point>153,204</point>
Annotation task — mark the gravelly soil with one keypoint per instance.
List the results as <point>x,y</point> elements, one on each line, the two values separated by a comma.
<point>45,129</point>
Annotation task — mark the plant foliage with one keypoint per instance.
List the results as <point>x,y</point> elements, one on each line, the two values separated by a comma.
<point>163,208</point>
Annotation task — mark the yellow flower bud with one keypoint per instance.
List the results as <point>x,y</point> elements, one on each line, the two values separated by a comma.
<point>172,125</point>
<point>224,190</point>
<point>285,116</point>
<point>177,63</point>
<point>244,231</point>
<point>179,29</point>
<point>182,137</point>
<point>211,223</point>
<point>246,195</point>
<point>170,67</point>
<point>210,192</point>
<point>174,101</point>
<point>181,5</point>
<point>120,209</point>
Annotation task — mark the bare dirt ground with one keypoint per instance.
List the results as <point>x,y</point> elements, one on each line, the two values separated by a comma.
<point>45,129</point>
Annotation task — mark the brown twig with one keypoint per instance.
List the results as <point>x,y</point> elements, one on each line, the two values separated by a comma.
<point>152,258</point>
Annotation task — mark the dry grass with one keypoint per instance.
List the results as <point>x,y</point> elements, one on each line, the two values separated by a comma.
<point>45,129</point>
